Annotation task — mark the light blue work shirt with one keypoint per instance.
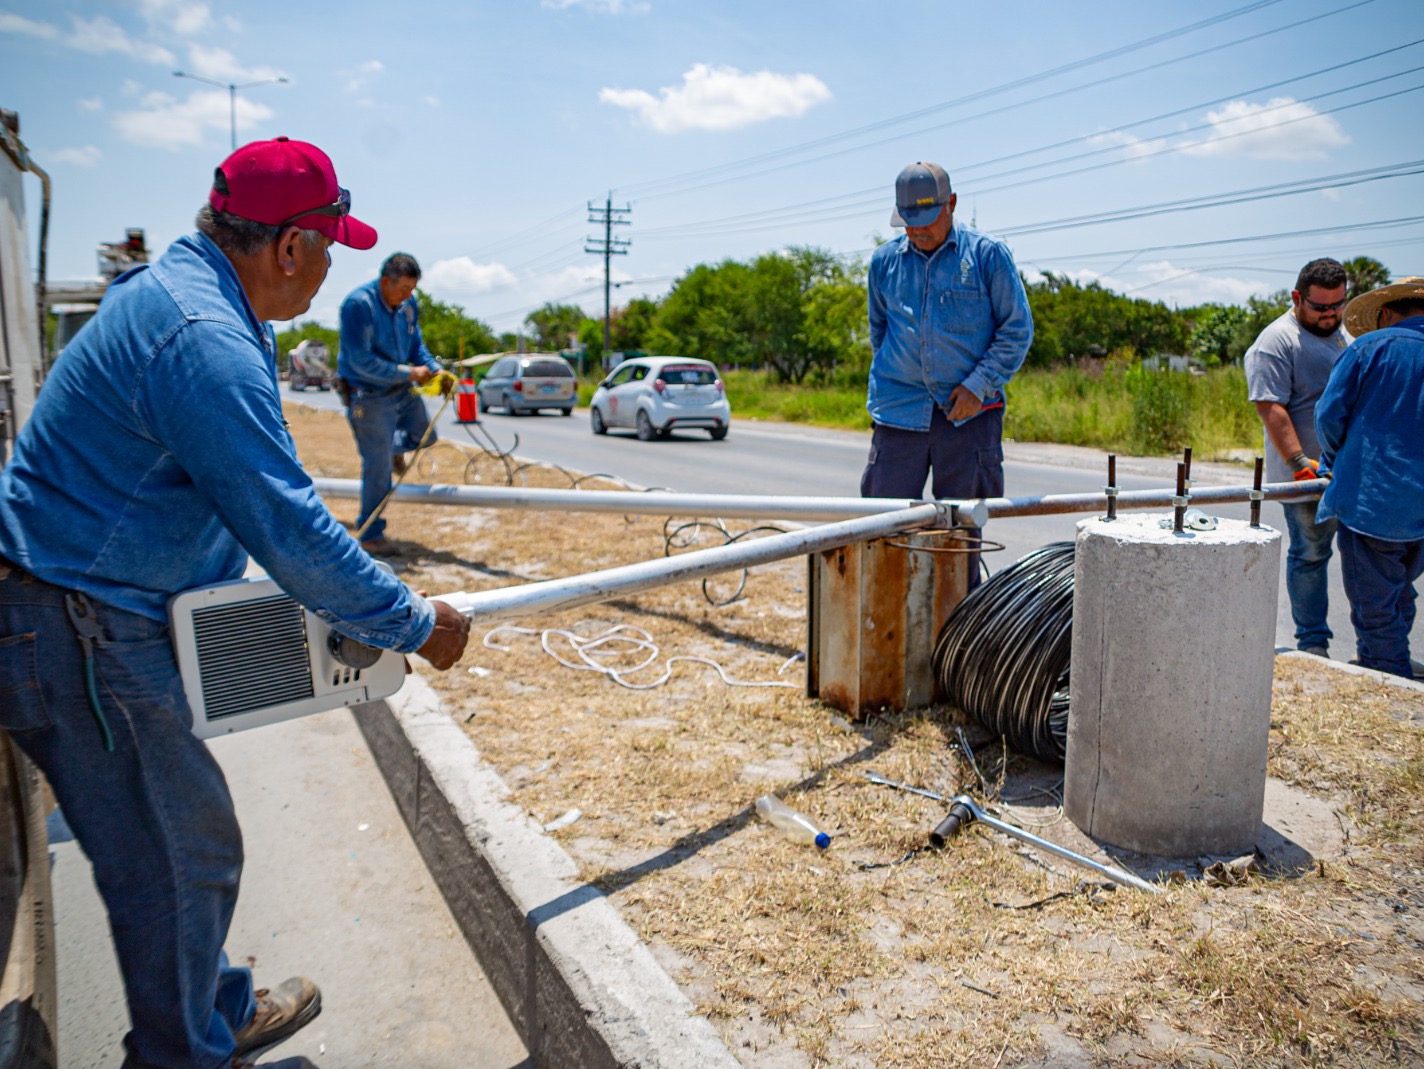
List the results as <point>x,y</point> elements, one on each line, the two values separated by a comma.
<point>156,458</point>
<point>379,345</point>
<point>1370,421</point>
<point>958,316</point>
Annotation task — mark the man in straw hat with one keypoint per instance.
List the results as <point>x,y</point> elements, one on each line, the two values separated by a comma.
<point>1370,422</point>
<point>122,493</point>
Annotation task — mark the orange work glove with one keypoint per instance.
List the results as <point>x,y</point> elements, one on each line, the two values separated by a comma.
<point>1304,467</point>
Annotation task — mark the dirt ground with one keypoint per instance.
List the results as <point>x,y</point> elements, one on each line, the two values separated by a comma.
<point>878,952</point>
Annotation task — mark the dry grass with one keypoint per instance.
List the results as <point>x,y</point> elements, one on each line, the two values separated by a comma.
<point>960,958</point>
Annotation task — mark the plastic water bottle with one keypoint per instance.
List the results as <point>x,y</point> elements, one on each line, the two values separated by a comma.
<point>791,823</point>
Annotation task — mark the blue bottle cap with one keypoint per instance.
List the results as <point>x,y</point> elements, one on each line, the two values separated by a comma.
<point>822,840</point>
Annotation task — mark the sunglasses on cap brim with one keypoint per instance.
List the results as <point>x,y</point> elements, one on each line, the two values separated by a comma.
<point>340,208</point>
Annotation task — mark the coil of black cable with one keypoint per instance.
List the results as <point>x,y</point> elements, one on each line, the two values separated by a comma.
<point>1002,656</point>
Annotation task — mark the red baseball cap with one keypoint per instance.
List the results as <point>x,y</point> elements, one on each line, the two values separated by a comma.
<point>288,183</point>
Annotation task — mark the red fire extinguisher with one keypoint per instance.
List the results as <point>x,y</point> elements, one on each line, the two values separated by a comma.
<point>467,402</point>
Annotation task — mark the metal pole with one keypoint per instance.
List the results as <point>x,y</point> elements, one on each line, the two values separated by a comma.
<point>748,506</point>
<point>962,811</point>
<point>506,603</point>
<point>654,503</point>
<point>1054,504</point>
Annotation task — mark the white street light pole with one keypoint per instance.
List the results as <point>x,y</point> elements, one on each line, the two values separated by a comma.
<point>231,94</point>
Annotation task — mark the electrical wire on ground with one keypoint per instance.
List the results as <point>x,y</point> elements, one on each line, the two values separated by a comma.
<point>620,641</point>
<point>685,534</point>
<point>1002,656</point>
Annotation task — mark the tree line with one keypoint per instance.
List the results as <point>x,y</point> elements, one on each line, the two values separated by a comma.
<point>799,314</point>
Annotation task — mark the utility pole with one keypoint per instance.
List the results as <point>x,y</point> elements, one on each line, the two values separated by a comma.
<point>608,246</point>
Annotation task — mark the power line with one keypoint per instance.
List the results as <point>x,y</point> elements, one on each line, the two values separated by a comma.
<point>1003,108</point>
<point>1003,87</point>
<point>1406,220</point>
<point>814,211</point>
<point>1215,200</point>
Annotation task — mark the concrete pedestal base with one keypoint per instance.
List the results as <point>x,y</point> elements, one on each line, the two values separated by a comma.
<point>1170,693</point>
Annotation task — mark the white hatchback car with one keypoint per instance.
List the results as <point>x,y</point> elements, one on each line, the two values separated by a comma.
<point>657,395</point>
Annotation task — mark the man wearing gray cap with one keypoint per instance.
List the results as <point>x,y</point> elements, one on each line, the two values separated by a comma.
<point>949,326</point>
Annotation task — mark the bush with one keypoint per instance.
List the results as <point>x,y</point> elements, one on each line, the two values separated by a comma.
<point>1161,409</point>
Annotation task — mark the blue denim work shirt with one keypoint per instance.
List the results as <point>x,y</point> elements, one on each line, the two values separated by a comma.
<point>378,344</point>
<point>156,458</point>
<point>958,316</point>
<point>1370,421</point>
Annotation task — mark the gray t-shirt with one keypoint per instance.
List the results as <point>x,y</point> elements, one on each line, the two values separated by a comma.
<point>1290,365</point>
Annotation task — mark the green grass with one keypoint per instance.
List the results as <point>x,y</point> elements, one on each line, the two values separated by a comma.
<point>1122,409</point>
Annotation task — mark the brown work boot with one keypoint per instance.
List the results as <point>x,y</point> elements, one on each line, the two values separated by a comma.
<point>291,1007</point>
<point>381,547</point>
<point>398,463</point>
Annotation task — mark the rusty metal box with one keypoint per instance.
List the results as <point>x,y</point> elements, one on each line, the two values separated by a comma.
<point>874,611</point>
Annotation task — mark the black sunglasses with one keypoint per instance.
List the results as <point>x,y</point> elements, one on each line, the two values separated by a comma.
<point>340,209</point>
<point>1333,306</point>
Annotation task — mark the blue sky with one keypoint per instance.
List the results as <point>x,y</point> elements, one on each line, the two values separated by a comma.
<point>473,135</point>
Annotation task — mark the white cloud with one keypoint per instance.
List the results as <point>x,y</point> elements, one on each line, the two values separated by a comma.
<point>461,278</point>
<point>721,98</point>
<point>12,23</point>
<point>91,104</point>
<point>163,121</point>
<point>1173,284</point>
<point>130,88</point>
<point>1281,129</point>
<point>183,17</point>
<point>363,73</point>
<point>221,65</point>
<point>86,156</point>
<point>100,34</point>
<point>433,100</point>
<point>1133,148</point>
<point>601,7</point>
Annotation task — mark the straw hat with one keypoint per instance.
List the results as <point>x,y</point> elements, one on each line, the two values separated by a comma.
<point>1362,314</point>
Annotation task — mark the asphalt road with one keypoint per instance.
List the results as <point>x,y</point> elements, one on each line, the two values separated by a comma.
<point>777,458</point>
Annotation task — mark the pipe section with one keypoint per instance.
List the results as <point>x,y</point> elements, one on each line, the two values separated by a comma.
<point>553,595</point>
<point>655,502</point>
<point>973,513</point>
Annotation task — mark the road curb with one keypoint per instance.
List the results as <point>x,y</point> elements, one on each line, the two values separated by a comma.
<point>581,989</point>
<point>1352,669</point>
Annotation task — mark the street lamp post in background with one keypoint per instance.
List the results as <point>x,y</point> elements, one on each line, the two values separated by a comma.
<point>231,93</point>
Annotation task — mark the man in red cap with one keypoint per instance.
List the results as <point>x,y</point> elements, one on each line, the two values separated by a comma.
<point>156,460</point>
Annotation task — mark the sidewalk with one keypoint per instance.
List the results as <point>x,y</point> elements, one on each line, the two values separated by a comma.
<point>334,889</point>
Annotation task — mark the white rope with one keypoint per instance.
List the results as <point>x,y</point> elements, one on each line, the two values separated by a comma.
<point>622,640</point>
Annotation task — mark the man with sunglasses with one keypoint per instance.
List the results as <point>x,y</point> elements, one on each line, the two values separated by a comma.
<point>1286,371</point>
<point>156,459</point>
<point>382,356</point>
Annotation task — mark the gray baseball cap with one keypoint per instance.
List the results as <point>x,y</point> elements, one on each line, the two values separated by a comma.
<point>921,190</point>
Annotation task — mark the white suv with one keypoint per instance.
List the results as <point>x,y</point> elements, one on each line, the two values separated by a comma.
<point>657,395</point>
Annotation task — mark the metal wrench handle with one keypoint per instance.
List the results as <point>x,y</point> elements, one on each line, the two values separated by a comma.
<point>962,804</point>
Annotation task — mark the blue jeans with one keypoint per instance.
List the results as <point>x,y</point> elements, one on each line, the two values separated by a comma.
<point>1379,581</point>
<point>154,816</point>
<point>967,462</point>
<point>383,426</point>
<point>1307,581</point>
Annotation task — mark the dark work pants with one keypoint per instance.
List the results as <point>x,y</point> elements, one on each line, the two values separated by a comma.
<point>383,426</point>
<point>1379,580</point>
<point>966,461</point>
<point>154,816</point>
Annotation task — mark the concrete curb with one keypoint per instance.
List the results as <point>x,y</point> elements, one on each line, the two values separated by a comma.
<point>582,991</point>
<point>1353,669</point>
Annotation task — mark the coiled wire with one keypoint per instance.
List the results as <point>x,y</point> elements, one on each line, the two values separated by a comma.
<point>1002,656</point>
